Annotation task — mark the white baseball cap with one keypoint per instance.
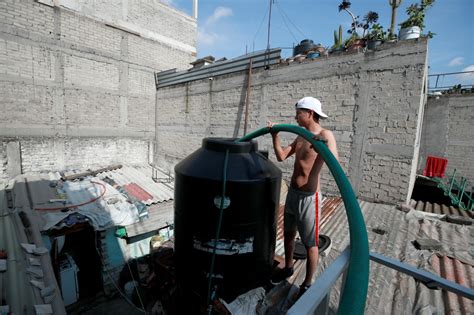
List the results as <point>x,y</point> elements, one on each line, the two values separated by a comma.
<point>311,103</point>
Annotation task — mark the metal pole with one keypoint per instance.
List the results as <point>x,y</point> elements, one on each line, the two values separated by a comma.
<point>195,9</point>
<point>247,98</point>
<point>269,20</point>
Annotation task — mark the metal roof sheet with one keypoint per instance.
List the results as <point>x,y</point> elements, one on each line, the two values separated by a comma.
<point>142,176</point>
<point>16,289</point>
<point>259,59</point>
<point>40,191</point>
<point>391,233</point>
<point>427,206</point>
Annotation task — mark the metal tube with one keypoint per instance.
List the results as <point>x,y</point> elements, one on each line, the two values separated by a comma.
<point>195,9</point>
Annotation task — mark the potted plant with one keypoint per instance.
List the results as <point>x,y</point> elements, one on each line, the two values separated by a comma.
<point>354,42</point>
<point>373,32</point>
<point>413,26</point>
<point>375,37</point>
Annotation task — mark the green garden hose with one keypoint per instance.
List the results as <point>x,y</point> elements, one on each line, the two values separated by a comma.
<point>354,292</point>
<point>218,231</point>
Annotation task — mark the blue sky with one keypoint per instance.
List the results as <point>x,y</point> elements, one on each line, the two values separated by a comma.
<point>226,28</point>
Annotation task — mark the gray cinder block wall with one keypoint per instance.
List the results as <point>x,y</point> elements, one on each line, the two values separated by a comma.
<point>448,133</point>
<point>375,102</point>
<point>77,80</point>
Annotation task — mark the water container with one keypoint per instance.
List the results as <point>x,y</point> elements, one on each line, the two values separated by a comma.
<point>247,240</point>
<point>303,47</point>
<point>409,33</point>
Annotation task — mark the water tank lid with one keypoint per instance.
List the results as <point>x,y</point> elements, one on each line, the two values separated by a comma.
<point>222,144</point>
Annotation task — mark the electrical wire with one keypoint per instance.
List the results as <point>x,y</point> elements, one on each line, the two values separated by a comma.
<point>296,27</point>
<point>218,230</point>
<point>115,285</point>
<point>286,24</point>
<point>260,26</point>
<point>80,204</point>
<point>135,284</point>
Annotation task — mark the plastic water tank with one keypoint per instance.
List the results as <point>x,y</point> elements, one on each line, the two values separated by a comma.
<point>303,47</point>
<point>246,244</point>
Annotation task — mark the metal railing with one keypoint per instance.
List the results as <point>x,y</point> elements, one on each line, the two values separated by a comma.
<point>451,82</point>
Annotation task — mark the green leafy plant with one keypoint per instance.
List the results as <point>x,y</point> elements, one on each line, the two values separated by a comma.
<point>345,6</point>
<point>369,20</point>
<point>416,14</point>
<point>376,32</point>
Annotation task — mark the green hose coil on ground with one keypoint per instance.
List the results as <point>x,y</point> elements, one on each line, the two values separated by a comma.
<point>354,292</point>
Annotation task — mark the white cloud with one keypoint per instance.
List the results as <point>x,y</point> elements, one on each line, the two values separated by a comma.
<point>456,62</point>
<point>206,38</point>
<point>465,77</point>
<point>219,13</point>
<point>206,35</point>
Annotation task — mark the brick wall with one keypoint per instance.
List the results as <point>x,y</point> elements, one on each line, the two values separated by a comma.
<point>448,133</point>
<point>47,154</point>
<point>374,101</point>
<point>77,80</point>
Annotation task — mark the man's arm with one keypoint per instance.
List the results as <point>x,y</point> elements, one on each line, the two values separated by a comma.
<point>281,153</point>
<point>331,142</point>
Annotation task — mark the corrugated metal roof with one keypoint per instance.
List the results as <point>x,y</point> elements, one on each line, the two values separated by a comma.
<point>458,271</point>
<point>16,290</point>
<point>427,206</point>
<point>259,59</point>
<point>391,233</point>
<point>142,176</point>
<point>40,191</point>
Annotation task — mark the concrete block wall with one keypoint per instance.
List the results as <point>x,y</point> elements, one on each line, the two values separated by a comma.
<point>3,164</point>
<point>448,133</point>
<point>374,101</point>
<point>79,76</point>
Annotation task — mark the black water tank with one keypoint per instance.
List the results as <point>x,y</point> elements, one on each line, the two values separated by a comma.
<point>247,240</point>
<point>304,46</point>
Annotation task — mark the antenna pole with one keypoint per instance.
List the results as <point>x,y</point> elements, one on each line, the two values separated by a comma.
<point>269,19</point>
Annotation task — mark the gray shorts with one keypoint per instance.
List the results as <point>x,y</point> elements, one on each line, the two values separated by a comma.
<point>303,212</point>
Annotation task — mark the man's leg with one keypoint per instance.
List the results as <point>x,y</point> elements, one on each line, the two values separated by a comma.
<point>289,240</point>
<point>311,264</point>
<point>281,275</point>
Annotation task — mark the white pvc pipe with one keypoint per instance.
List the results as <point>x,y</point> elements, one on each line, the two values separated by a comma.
<point>195,9</point>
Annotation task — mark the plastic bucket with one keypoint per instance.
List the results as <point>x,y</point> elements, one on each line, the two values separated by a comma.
<point>409,33</point>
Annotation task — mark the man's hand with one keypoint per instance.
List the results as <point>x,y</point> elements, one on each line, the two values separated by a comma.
<point>270,125</point>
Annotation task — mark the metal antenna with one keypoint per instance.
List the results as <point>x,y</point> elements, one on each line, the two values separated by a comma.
<point>267,53</point>
<point>269,20</point>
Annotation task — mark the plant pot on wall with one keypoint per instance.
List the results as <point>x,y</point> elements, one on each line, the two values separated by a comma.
<point>409,33</point>
<point>356,45</point>
<point>373,43</point>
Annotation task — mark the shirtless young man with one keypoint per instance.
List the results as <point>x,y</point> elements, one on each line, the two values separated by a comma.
<point>303,203</point>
